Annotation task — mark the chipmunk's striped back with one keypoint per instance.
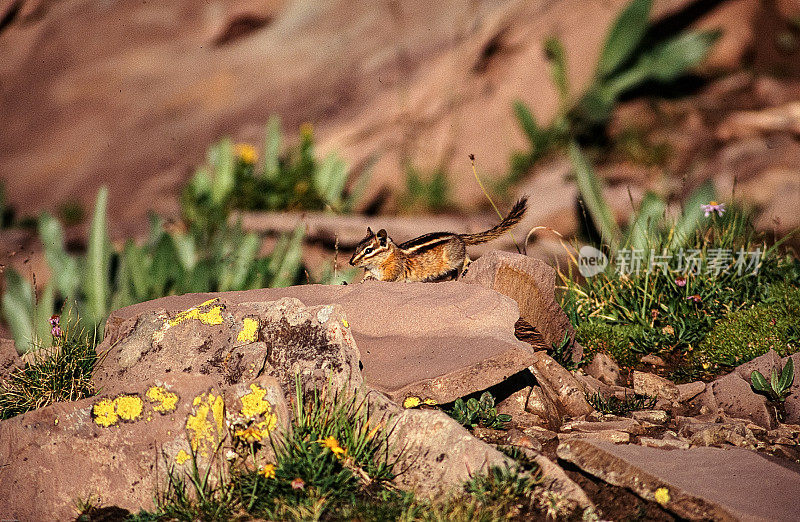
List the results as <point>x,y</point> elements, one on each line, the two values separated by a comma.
<point>431,257</point>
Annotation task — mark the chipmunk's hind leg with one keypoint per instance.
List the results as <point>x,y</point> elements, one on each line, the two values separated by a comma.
<point>450,275</point>
<point>464,267</point>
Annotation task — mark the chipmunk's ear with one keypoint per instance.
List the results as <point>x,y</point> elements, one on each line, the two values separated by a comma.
<point>382,237</point>
<point>370,232</point>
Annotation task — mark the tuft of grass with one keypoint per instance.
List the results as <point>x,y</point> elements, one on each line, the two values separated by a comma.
<point>425,192</point>
<point>675,311</point>
<point>60,373</point>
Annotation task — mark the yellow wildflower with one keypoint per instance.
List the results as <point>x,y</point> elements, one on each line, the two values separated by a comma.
<point>246,153</point>
<point>268,471</point>
<point>662,496</point>
<point>332,444</point>
<point>251,434</point>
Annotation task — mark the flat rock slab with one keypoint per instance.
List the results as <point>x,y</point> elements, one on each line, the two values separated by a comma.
<point>696,483</point>
<point>433,341</point>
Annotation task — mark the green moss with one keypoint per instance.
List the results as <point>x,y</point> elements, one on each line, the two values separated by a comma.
<point>617,341</point>
<point>746,334</point>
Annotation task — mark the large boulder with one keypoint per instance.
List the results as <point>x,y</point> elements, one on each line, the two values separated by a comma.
<point>119,447</point>
<point>416,340</point>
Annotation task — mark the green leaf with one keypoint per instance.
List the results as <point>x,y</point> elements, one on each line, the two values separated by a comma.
<point>692,216</point>
<point>186,250</point>
<point>330,178</point>
<point>63,267</point>
<point>623,38</point>
<point>18,303</point>
<point>787,375</point>
<point>773,379</point>
<point>235,276</point>
<point>758,381</point>
<point>558,69</point>
<point>288,264</point>
<point>358,188</point>
<point>592,196</point>
<point>644,227</point>
<point>98,257</point>
<point>272,149</point>
<point>222,157</point>
<point>527,122</point>
<point>673,58</point>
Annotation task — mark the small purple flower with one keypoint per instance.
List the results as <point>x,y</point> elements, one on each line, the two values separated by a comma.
<point>54,320</point>
<point>56,331</point>
<point>696,298</point>
<point>680,281</point>
<point>712,207</point>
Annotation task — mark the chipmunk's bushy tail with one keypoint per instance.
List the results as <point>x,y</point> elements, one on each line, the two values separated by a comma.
<point>509,222</point>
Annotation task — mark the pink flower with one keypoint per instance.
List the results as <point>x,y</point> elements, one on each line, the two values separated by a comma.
<point>712,207</point>
<point>54,320</point>
<point>298,483</point>
<point>56,331</point>
<point>696,298</point>
<point>680,281</point>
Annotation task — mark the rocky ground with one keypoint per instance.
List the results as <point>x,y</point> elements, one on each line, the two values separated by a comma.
<point>174,369</point>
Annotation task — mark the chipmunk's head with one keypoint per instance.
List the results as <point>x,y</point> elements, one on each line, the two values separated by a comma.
<point>372,250</point>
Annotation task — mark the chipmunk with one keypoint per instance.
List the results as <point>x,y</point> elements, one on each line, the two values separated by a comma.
<point>438,256</point>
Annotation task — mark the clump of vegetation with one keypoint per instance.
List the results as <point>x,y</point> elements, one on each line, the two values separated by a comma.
<point>60,373</point>
<point>615,406</point>
<point>291,180</point>
<point>747,333</point>
<point>335,464</point>
<point>628,60</point>
<point>615,340</point>
<point>779,384</point>
<point>479,412</point>
<point>425,193</point>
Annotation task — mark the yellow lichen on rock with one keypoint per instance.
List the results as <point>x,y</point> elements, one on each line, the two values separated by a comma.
<point>181,457</point>
<point>254,403</point>
<point>662,496</point>
<point>128,407</point>
<point>412,402</point>
<point>205,432</point>
<point>249,331</point>
<point>212,316</point>
<point>104,413</point>
<point>165,401</point>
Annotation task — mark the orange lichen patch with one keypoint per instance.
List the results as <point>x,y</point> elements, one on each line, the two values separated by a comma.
<point>104,413</point>
<point>206,425</point>
<point>181,457</point>
<point>165,401</point>
<point>129,407</point>
<point>249,331</point>
<point>204,312</point>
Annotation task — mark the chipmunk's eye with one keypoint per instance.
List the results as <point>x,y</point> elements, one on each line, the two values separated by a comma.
<point>368,250</point>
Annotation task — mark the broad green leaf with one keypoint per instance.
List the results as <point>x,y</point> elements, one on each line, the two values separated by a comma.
<point>18,303</point>
<point>623,38</point>
<point>787,375</point>
<point>644,227</point>
<point>123,296</point>
<point>42,311</point>
<point>330,178</point>
<point>289,266</point>
<point>592,196</point>
<point>692,215</point>
<point>272,149</point>
<point>222,158</point>
<point>186,250</point>
<point>64,268</point>
<point>527,121</point>
<point>558,69</point>
<point>673,58</point>
<point>98,257</point>
<point>758,381</point>
<point>358,188</point>
<point>137,264</point>
<point>773,379</point>
<point>235,275</point>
